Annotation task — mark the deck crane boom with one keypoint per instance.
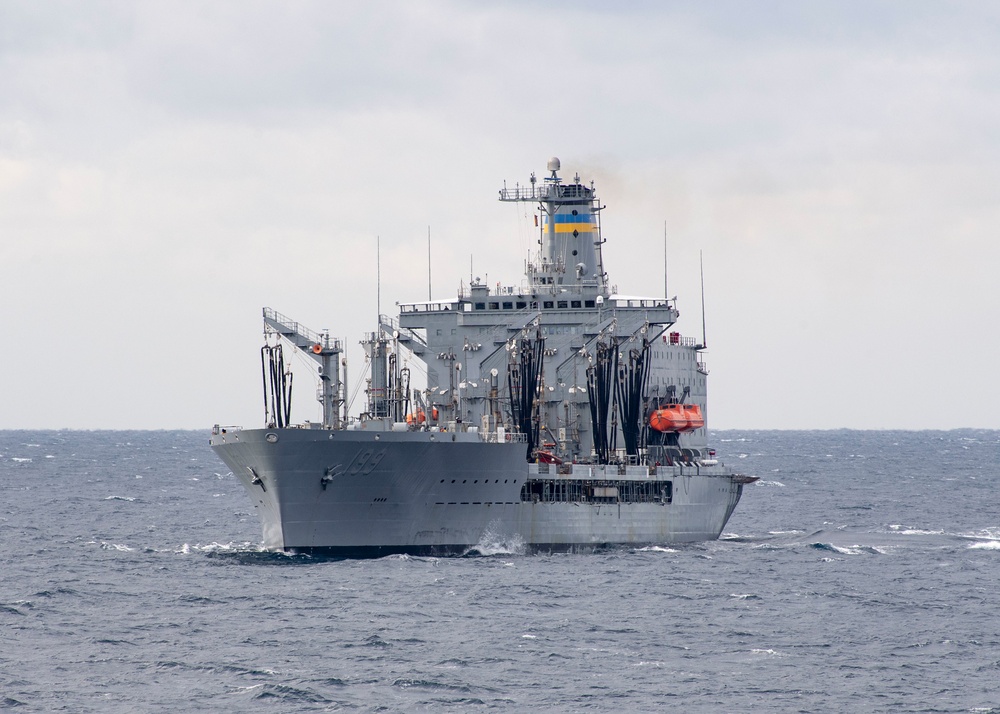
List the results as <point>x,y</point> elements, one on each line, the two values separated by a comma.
<point>324,350</point>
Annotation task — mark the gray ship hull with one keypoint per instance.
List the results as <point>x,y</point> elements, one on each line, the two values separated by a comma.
<point>364,494</point>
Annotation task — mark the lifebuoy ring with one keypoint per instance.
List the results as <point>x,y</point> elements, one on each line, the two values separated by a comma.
<point>317,348</point>
<point>507,437</point>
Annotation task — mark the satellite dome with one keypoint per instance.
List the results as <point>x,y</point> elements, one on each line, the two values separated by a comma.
<point>553,164</point>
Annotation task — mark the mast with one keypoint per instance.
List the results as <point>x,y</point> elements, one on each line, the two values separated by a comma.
<point>666,291</point>
<point>701,267</point>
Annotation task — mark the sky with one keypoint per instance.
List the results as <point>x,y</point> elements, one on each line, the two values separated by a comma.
<point>169,168</point>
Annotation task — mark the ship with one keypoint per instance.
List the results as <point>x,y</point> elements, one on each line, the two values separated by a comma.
<point>553,414</point>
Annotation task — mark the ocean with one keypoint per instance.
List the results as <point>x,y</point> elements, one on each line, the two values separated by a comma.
<point>860,574</point>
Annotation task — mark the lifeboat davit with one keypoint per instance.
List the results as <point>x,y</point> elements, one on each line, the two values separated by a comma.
<point>547,457</point>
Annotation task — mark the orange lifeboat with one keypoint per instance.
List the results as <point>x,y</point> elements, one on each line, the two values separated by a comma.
<point>669,418</point>
<point>695,420</point>
<point>418,418</point>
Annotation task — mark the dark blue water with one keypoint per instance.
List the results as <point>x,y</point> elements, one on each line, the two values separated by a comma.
<point>861,574</point>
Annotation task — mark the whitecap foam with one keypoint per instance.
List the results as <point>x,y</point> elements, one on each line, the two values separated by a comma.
<point>848,550</point>
<point>985,545</point>
<point>230,547</point>
<point>843,550</point>
<point>772,483</point>
<point>984,534</point>
<point>119,498</point>
<point>20,459</point>
<point>655,549</point>
<point>914,531</point>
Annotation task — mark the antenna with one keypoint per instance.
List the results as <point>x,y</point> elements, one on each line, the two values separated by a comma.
<point>378,279</point>
<point>701,266</point>
<point>666,292</point>
<point>429,263</point>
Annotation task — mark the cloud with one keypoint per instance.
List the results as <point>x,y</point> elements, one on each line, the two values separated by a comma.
<point>168,168</point>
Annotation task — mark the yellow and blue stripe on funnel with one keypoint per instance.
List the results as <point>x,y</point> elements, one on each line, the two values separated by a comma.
<point>567,222</point>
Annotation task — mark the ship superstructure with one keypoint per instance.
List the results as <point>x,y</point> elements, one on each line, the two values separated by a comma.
<point>557,413</point>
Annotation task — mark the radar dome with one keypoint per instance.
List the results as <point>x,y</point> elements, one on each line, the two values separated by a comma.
<point>553,164</point>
